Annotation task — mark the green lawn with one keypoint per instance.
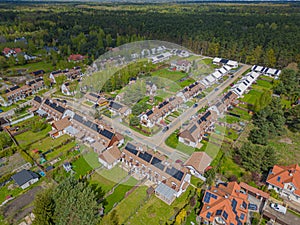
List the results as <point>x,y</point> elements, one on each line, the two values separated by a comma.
<point>263,83</point>
<point>196,181</point>
<point>47,67</point>
<point>172,141</point>
<point>119,193</point>
<point>230,119</point>
<point>5,191</point>
<point>243,113</point>
<point>185,82</point>
<point>156,212</point>
<point>92,159</point>
<point>81,167</point>
<point>60,151</point>
<point>106,179</point>
<point>229,168</point>
<point>29,137</point>
<point>129,205</point>
<point>170,75</point>
<point>48,143</point>
<point>251,96</point>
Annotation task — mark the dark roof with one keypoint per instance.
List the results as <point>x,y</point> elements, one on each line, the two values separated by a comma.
<point>206,115</point>
<point>49,168</point>
<point>56,72</point>
<point>31,82</point>
<point>55,106</point>
<point>149,112</point>
<point>227,96</point>
<point>94,95</point>
<point>24,176</point>
<point>3,121</point>
<point>157,163</point>
<point>38,99</point>
<point>131,148</point>
<point>162,104</point>
<point>224,61</point>
<point>115,105</point>
<point>14,88</point>
<point>177,174</point>
<point>145,156</point>
<point>106,133</point>
<point>38,72</point>
<point>193,128</point>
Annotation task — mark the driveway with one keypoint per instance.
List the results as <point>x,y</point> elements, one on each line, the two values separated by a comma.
<point>288,218</point>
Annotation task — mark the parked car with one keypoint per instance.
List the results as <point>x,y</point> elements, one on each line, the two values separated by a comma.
<point>278,208</point>
<point>195,105</point>
<point>165,129</point>
<point>127,132</point>
<point>252,206</point>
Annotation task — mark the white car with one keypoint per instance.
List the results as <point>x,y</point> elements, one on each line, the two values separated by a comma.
<point>278,208</point>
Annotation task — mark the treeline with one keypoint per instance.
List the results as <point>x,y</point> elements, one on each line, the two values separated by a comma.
<point>256,34</point>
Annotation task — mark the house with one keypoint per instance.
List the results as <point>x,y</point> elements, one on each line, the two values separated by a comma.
<point>67,88</point>
<point>230,63</point>
<point>53,108</point>
<point>67,166</point>
<point>102,101</point>
<point>38,73</point>
<point>254,192</point>
<point>21,39</point>
<point>7,52</point>
<point>171,179</point>
<point>59,126</point>
<point>16,93</point>
<point>54,74</point>
<point>119,109</point>
<point>160,58</point>
<point>132,80</point>
<point>36,84</point>
<point>191,91</point>
<point>92,97</point>
<point>266,71</point>
<point>156,114</point>
<point>3,123</point>
<point>76,58</point>
<point>285,180</point>
<point>197,163</point>
<point>224,204</point>
<point>208,80</point>
<point>244,83</point>
<point>180,52</point>
<point>196,129</point>
<point>223,103</point>
<point>25,178</point>
<point>110,157</point>
<point>181,65</point>
<point>35,104</point>
<point>151,88</point>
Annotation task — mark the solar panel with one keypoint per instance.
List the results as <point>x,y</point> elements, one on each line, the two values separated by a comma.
<point>199,121</point>
<point>115,105</point>
<point>14,88</point>
<point>233,204</point>
<point>206,198</point>
<point>131,148</point>
<point>37,99</point>
<point>145,156</point>
<point>219,212</point>
<point>225,215</point>
<point>157,163</point>
<point>224,61</point>
<point>213,196</point>
<point>208,215</point>
<point>244,204</point>
<point>177,174</point>
<point>242,217</point>
<point>193,128</point>
<point>207,114</point>
<point>106,133</point>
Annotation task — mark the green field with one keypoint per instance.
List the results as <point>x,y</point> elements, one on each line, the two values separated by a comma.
<point>127,207</point>
<point>251,96</point>
<point>29,137</point>
<point>119,193</point>
<point>170,75</point>
<point>81,167</point>
<point>156,212</point>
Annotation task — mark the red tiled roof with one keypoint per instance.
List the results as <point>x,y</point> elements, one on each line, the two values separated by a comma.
<point>226,198</point>
<point>281,175</point>
<point>254,190</point>
<point>76,57</point>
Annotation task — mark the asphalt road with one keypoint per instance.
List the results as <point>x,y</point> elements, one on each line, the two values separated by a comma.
<point>288,218</point>
<point>157,141</point>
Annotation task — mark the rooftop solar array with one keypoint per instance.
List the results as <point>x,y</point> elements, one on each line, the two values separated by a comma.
<point>94,95</point>
<point>37,99</point>
<point>225,215</point>
<point>157,163</point>
<point>149,112</point>
<point>55,106</point>
<point>193,128</point>
<point>145,156</point>
<point>219,212</point>
<point>206,115</point>
<point>162,104</point>
<point>131,148</point>
<point>106,133</point>
<point>207,197</point>
<point>115,105</point>
<point>177,174</point>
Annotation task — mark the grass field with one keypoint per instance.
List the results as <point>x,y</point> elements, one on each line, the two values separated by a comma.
<point>29,137</point>
<point>230,119</point>
<point>106,179</point>
<point>127,207</point>
<point>49,143</point>
<point>243,113</point>
<point>81,167</point>
<point>170,75</point>
<point>229,168</point>
<point>156,212</point>
<point>47,67</point>
<point>5,191</point>
<point>251,96</point>
<point>119,193</point>
<point>92,159</point>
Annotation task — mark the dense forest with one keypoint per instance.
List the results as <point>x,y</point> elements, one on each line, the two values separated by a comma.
<point>251,33</point>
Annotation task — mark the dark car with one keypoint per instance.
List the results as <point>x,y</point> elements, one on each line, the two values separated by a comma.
<point>195,105</point>
<point>252,206</point>
<point>165,129</point>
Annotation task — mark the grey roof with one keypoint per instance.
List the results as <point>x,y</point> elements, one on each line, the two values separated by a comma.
<point>41,112</point>
<point>115,105</point>
<point>71,130</point>
<point>165,191</point>
<point>24,176</point>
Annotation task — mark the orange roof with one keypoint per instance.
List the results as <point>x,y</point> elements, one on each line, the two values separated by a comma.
<point>111,155</point>
<point>254,190</point>
<point>226,202</point>
<point>61,124</point>
<point>281,175</point>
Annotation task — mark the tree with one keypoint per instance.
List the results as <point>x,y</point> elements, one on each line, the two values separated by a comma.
<point>271,58</point>
<point>21,60</point>
<point>134,121</point>
<point>75,203</point>
<point>111,219</point>
<point>60,80</point>
<point>44,207</point>
<point>47,80</point>
<point>38,125</point>
<point>293,118</point>
<point>5,140</point>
